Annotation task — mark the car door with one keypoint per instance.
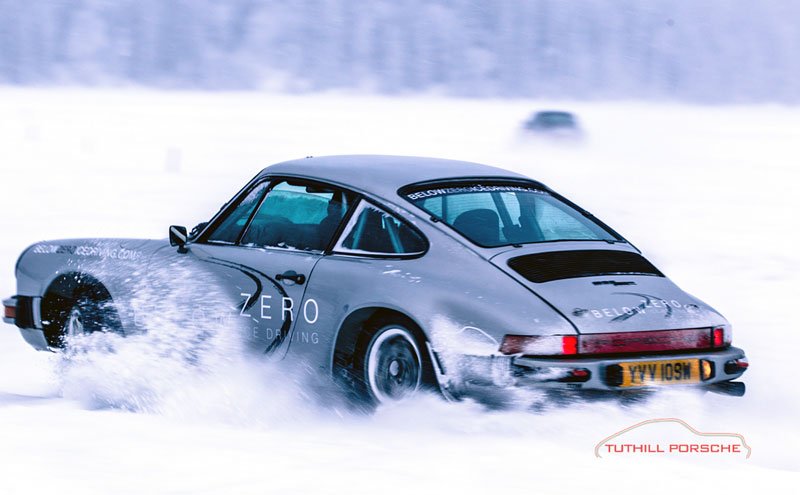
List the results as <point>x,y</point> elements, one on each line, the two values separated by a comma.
<point>373,264</point>
<point>263,249</point>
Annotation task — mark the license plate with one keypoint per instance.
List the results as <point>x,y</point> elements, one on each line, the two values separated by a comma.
<point>672,372</point>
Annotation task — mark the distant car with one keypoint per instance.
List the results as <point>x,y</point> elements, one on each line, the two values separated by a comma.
<point>391,274</point>
<point>554,123</point>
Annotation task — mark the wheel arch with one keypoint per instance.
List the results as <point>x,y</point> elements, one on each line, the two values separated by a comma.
<point>353,327</point>
<point>354,332</point>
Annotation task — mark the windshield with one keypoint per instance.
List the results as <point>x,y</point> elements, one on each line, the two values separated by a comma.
<point>500,215</point>
<point>563,119</point>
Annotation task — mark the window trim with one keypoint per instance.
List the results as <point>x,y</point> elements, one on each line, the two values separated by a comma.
<point>272,181</point>
<point>229,208</point>
<point>226,207</point>
<point>360,205</point>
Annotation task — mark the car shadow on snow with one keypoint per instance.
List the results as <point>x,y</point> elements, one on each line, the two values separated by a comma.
<point>10,399</point>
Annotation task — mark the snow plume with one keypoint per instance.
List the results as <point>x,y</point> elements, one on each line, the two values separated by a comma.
<point>186,359</point>
<point>470,357</point>
<point>475,369</point>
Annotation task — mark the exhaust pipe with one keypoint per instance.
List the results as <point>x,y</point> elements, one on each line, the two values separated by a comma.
<point>733,389</point>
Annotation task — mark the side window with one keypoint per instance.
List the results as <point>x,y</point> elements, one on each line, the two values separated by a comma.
<point>231,226</point>
<point>374,231</point>
<point>297,216</point>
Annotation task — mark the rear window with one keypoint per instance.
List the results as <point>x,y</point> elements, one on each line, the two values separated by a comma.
<point>493,215</point>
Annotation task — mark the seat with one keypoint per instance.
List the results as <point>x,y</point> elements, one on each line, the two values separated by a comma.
<point>328,225</point>
<point>374,237</point>
<point>481,226</point>
<point>267,231</point>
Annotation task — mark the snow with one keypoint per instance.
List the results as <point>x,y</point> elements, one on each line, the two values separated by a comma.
<point>707,192</point>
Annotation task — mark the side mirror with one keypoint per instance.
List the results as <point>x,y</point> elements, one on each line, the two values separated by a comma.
<point>177,237</point>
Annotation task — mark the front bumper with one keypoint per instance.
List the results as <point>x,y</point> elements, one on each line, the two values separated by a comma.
<point>25,312</point>
<point>596,373</point>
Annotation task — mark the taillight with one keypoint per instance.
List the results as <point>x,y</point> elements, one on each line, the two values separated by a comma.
<point>10,312</point>
<point>618,342</point>
<point>719,337</point>
<point>540,345</point>
<point>569,345</point>
<point>646,342</point>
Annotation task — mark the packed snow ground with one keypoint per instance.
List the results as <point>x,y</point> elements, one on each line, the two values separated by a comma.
<point>708,193</point>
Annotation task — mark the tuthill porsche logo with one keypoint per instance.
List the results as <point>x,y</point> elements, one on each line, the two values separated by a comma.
<point>683,440</point>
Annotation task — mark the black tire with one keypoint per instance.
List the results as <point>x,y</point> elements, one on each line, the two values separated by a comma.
<point>391,364</point>
<point>89,314</point>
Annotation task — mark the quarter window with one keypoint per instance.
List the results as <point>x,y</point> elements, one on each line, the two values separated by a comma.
<point>374,231</point>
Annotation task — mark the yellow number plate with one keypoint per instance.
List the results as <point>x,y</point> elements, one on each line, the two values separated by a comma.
<point>673,372</point>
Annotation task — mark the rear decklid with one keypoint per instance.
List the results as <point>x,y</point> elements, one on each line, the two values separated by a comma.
<point>605,288</point>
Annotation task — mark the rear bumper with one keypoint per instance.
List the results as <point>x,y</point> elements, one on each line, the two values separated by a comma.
<point>605,373</point>
<point>596,373</point>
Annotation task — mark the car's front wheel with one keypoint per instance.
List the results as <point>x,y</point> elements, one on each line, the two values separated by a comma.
<point>88,315</point>
<point>74,324</point>
<point>392,365</point>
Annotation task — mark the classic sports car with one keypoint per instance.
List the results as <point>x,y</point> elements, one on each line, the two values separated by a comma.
<point>392,274</point>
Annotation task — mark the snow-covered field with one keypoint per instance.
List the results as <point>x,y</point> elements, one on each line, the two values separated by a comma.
<point>708,193</point>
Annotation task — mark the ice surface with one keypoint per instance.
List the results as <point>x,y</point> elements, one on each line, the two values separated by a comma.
<point>708,193</point>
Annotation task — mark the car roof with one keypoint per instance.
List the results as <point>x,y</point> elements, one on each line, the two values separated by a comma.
<point>383,175</point>
<point>554,112</point>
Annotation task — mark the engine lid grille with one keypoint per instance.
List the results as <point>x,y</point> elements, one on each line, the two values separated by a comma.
<point>558,265</point>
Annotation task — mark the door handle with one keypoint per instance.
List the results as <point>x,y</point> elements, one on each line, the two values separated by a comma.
<point>292,275</point>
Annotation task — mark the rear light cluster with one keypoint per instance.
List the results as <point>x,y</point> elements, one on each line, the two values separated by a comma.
<point>721,336</point>
<point>617,343</point>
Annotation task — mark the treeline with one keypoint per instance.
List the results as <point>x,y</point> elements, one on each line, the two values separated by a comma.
<point>710,50</point>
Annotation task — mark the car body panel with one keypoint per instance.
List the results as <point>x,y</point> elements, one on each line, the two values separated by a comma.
<point>615,302</point>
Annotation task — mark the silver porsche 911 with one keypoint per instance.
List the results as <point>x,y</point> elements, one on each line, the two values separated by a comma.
<point>387,275</point>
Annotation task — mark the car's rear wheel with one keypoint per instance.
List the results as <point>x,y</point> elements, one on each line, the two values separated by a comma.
<point>391,365</point>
